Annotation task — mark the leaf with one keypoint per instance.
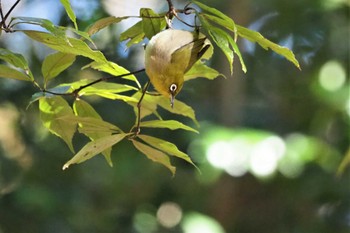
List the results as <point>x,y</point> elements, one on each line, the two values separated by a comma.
<point>169,124</point>
<point>152,23</point>
<point>16,60</point>
<point>8,72</point>
<point>112,69</point>
<point>73,46</point>
<point>200,70</point>
<point>70,12</point>
<point>91,119</point>
<point>51,110</point>
<point>221,39</point>
<point>165,146</point>
<point>55,63</point>
<point>267,44</point>
<point>104,22</point>
<point>154,155</point>
<point>59,32</point>
<point>93,148</point>
<point>135,34</point>
<point>179,108</point>
<point>216,12</point>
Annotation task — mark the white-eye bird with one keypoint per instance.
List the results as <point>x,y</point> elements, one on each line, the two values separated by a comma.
<point>169,55</point>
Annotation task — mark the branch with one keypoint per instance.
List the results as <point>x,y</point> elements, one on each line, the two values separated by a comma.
<point>4,18</point>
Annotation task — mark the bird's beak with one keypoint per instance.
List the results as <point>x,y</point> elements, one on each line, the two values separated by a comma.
<point>172,99</point>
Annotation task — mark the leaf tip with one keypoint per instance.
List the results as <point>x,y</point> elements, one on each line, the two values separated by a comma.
<point>65,166</point>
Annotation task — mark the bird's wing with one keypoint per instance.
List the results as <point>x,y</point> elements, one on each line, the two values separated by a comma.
<point>189,53</point>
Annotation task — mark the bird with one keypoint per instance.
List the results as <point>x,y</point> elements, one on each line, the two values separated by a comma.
<point>169,55</point>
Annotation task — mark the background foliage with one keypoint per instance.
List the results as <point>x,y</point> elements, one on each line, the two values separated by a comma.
<point>294,123</point>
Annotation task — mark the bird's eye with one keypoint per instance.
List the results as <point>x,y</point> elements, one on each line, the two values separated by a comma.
<point>173,87</point>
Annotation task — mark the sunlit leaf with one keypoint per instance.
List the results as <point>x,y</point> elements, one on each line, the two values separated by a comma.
<point>16,60</point>
<point>168,124</point>
<point>91,119</point>
<point>165,146</point>
<point>134,34</point>
<point>55,63</point>
<point>51,110</point>
<point>221,39</point>
<point>216,12</point>
<point>94,148</point>
<point>104,22</point>
<point>179,108</point>
<point>152,23</point>
<point>267,44</point>
<point>154,155</point>
<point>8,72</point>
<point>200,70</point>
<point>113,69</point>
<point>73,46</point>
<point>70,12</point>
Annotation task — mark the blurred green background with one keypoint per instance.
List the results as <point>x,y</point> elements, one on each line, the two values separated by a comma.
<point>269,147</point>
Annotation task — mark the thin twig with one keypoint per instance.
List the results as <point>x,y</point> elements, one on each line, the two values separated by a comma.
<point>137,131</point>
<point>11,9</point>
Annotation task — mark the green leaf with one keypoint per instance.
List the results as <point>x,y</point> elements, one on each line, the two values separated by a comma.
<point>267,44</point>
<point>51,110</point>
<point>200,70</point>
<point>93,148</point>
<point>169,124</point>
<point>55,63</point>
<point>216,12</point>
<point>135,34</point>
<point>59,32</point>
<point>8,72</point>
<point>228,24</point>
<point>73,46</point>
<point>91,120</point>
<point>154,155</point>
<point>152,23</point>
<point>112,69</point>
<point>70,12</point>
<point>102,23</point>
<point>16,60</point>
<point>179,108</point>
<point>165,146</point>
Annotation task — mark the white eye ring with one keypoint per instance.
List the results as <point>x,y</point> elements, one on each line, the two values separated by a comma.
<point>173,87</point>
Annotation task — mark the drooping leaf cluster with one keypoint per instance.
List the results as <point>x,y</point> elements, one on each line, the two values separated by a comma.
<point>64,120</point>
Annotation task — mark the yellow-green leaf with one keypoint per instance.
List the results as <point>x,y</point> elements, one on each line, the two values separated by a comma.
<point>135,34</point>
<point>113,69</point>
<point>55,63</point>
<point>86,111</point>
<point>70,12</point>
<point>200,70</point>
<point>104,22</point>
<point>165,146</point>
<point>72,46</point>
<point>168,124</point>
<point>152,23</point>
<point>267,44</point>
<point>51,110</point>
<point>8,72</point>
<point>179,108</point>
<point>154,155</point>
<point>94,148</point>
